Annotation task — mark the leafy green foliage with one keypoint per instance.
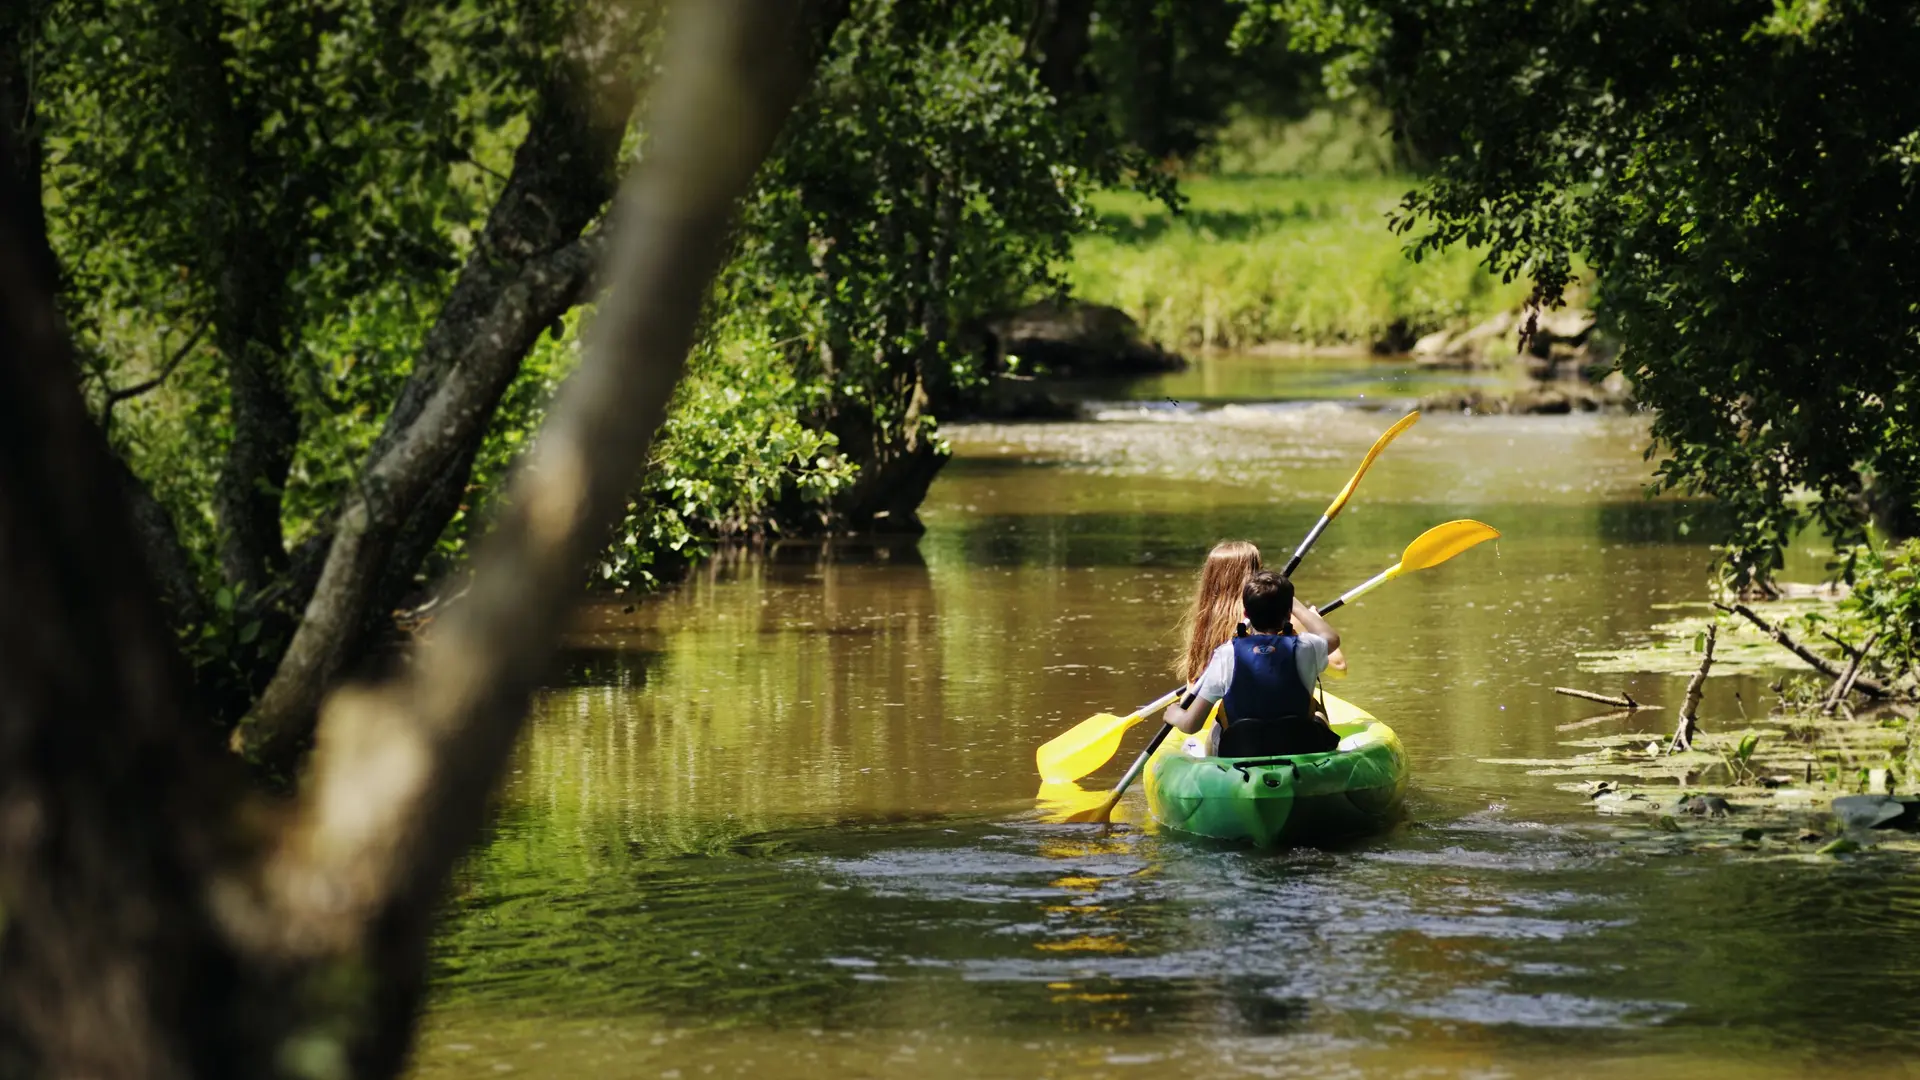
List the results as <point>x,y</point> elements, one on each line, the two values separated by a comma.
<point>926,181</point>
<point>1169,74</point>
<point>1255,259</point>
<point>1886,601</point>
<point>260,211</point>
<point>298,179</point>
<point>734,444</point>
<point>259,207</point>
<point>1740,178</point>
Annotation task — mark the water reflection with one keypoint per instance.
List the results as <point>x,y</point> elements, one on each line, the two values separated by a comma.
<point>782,820</point>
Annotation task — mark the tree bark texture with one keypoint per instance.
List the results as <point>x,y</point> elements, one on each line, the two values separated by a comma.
<point>113,805</point>
<point>402,772</point>
<point>159,923</point>
<point>248,254</point>
<point>530,266</point>
<point>1061,33</point>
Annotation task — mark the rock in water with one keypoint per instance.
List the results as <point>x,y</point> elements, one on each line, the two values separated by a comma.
<point>1706,806</point>
<point>1073,338</point>
<point>1877,812</point>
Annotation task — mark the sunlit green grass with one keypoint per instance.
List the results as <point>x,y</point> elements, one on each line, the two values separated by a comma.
<point>1259,259</point>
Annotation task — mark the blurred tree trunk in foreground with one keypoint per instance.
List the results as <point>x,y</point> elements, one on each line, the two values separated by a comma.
<point>162,920</point>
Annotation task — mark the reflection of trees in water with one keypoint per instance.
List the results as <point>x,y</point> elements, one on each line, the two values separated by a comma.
<point>1692,524</point>
<point>776,689</point>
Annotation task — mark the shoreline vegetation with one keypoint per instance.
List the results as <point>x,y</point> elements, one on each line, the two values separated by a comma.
<point>1817,773</point>
<point>1259,262</point>
<point>1282,245</point>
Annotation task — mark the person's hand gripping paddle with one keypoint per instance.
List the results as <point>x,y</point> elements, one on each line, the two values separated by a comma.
<point>1430,548</point>
<point>1092,742</point>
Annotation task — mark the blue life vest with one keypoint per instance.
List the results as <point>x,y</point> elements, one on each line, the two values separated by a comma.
<point>1266,679</point>
<point>1269,708</point>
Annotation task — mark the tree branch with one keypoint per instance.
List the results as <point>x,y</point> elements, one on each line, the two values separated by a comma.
<point>1624,701</point>
<point>1831,670</point>
<point>1689,724</point>
<point>114,802</point>
<point>402,773</point>
<point>378,506</point>
<point>530,266</point>
<point>115,397</point>
<point>1844,684</point>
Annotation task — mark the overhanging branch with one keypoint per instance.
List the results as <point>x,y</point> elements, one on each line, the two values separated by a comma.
<point>402,772</point>
<point>146,386</point>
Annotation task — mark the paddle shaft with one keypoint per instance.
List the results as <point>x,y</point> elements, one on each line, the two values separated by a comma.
<point>1306,545</point>
<point>1134,769</point>
<point>1367,586</point>
<point>1157,704</point>
<point>1340,501</point>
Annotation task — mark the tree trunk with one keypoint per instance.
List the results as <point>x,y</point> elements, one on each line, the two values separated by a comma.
<point>112,801</point>
<point>157,926</point>
<point>530,267</point>
<point>381,839</point>
<point>1058,42</point>
<point>247,256</point>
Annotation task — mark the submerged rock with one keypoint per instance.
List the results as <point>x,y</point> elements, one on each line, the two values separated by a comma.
<point>1563,344</point>
<point>1878,812</point>
<point>1706,806</point>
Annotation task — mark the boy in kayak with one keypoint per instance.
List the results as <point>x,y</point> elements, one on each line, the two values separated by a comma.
<point>1264,679</point>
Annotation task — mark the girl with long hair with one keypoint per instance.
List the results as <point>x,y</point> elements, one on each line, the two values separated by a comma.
<point>1215,612</point>
<point>1210,621</point>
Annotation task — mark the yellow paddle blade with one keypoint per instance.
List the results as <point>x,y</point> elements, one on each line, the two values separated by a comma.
<point>1379,444</point>
<point>1443,542</point>
<point>1085,747</point>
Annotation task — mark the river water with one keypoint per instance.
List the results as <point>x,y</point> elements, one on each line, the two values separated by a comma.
<point>781,822</point>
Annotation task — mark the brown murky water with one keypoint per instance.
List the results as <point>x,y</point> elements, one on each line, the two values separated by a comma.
<point>780,821</point>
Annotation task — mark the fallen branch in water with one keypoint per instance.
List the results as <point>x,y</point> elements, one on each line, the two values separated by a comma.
<point>1831,670</point>
<point>1624,701</point>
<point>1844,684</point>
<point>1690,707</point>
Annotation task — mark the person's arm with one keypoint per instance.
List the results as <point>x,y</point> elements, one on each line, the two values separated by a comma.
<point>1192,719</point>
<point>1191,715</point>
<point>1308,621</point>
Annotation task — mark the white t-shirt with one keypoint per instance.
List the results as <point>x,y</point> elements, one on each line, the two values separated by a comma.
<point>1309,658</point>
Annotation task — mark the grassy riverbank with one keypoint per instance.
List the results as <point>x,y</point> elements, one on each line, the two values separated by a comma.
<point>1259,259</point>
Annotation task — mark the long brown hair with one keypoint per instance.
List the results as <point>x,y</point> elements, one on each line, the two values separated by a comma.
<point>1215,611</point>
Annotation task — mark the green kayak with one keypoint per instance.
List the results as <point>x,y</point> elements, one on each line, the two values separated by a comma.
<point>1355,789</point>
